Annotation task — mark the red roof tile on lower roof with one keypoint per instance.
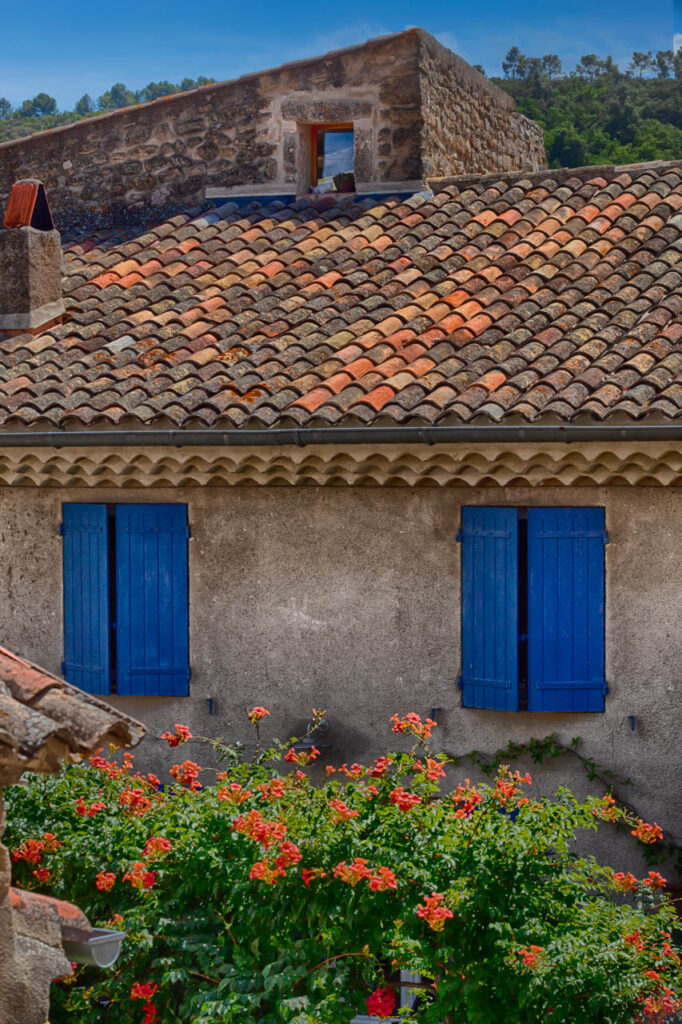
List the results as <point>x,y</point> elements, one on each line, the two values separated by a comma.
<point>556,296</point>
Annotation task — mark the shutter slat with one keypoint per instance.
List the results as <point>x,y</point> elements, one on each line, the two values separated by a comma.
<point>152,600</point>
<point>489,608</point>
<point>86,597</point>
<point>566,609</point>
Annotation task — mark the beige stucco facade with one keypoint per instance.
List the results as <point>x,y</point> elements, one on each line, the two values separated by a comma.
<point>348,598</point>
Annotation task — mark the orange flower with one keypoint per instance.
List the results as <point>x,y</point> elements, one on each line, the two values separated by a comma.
<point>404,801</point>
<point>647,833</point>
<point>301,757</point>
<point>273,790</point>
<point>105,881</point>
<point>531,956</point>
<point>255,714</point>
<point>352,873</point>
<point>434,911</point>
<point>180,736</point>
<point>382,879</point>
<point>624,883</point>
<point>380,767</point>
<point>83,810</point>
<point>356,771</point>
<point>310,874</point>
<point>31,851</point>
<point>139,877</point>
<point>655,881</point>
<point>412,724</point>
<point>342,811</point>
<point>288,854</point>
<point>50,842</point>
<point>264,873</point>
<point>433,769</point>
<point>136,801</point>
<point>186,774</point>
<point>155,847</point>
<point>267,833</point>
<point>233,794</point>
<point>43,875</point>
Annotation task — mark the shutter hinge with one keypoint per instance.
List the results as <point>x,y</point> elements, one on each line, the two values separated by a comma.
<point>459,536</point>
<point>189,674</point>
<point>61,529</point>
<point>189,532</point>
<point>460,682</point>
<point>605,537</point>
<point>62,669</point>
<point>605,687</point>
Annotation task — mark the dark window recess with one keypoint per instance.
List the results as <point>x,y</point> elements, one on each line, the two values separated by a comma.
<point>533,609</point>
<point>111,549</point>
<point>126,627</point>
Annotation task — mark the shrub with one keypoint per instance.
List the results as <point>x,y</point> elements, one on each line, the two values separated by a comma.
<point>250,894</point>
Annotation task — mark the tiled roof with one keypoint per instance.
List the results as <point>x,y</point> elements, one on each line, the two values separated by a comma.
<point>34,904</point>
<point>44,720</point>
<point>555,296</point>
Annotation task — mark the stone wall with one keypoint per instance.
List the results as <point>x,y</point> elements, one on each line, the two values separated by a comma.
<point>347,598</point>
<point>469,124</point>
<point>158,156</point>
<point>417,110</point>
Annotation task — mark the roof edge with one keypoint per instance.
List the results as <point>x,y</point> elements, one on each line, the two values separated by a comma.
<point>301,437</point>
<point>559,174</point>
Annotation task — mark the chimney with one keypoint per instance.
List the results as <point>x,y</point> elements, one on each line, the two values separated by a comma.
<point>30,262</point>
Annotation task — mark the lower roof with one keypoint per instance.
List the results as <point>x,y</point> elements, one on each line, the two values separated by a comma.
<point>554,297</point>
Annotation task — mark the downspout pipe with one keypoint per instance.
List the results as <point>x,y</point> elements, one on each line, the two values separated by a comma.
<point>301,438</point>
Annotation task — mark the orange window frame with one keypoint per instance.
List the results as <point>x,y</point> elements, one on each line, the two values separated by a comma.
<point>315,129</point>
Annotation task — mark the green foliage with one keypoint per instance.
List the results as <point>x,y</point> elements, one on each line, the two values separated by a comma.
<point>271,899</point>
<point>597,114</point>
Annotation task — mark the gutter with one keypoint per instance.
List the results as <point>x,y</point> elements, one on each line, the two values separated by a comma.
<point>459,434</point>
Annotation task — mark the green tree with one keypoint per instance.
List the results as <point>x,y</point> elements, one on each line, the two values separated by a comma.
<point>5,108</point>
<point>154,90</point>
<point>44,104</point>
<point>641,63</point>
<point>84,105</point>
<point>589,66</point>
<point>116,97</point>
<point>664,63</point>
<point>551,65</point>
<point>677,64</point>
<point>510,64</point>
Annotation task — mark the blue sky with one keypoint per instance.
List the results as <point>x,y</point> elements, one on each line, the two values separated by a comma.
<point>68,47</point>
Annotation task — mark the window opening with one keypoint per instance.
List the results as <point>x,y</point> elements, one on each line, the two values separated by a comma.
<point>332,158</point>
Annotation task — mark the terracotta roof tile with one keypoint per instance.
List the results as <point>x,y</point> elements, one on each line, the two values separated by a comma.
<point>44,720</point>
<point>550,295</point>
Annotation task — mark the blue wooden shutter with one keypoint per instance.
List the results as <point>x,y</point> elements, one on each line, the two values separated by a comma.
<point>566,609</point>
<point>86,597</point>
<point>152,600</point>
<point>490,633</point>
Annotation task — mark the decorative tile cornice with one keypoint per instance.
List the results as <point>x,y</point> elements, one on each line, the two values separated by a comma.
<point>652,464</point>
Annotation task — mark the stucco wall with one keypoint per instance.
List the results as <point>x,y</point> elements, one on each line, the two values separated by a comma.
<point>348,599</point>
<point>469,124</point>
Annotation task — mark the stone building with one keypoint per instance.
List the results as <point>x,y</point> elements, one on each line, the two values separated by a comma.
<point>43,722</point>
<point>407,107</point>
<point>372,453</point>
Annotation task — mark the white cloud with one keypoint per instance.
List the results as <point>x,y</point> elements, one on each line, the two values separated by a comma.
<point>677,41</point>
